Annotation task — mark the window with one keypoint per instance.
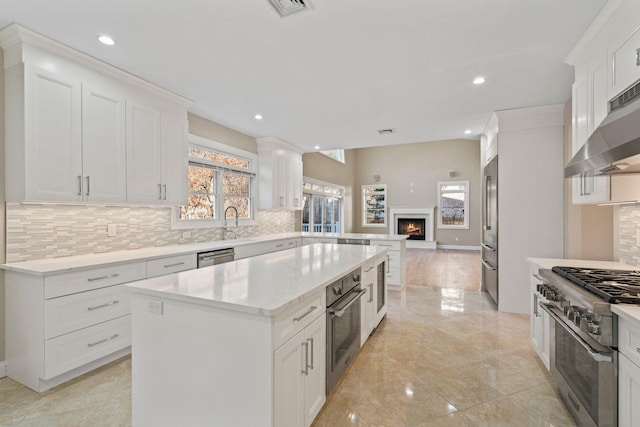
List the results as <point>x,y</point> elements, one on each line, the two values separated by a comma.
<point>453,204</point>
<point>219,177</point>
<point>337,155</point>
<point>374,203</point>
<point>322,207</point>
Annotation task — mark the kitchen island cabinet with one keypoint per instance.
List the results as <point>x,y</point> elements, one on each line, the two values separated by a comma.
<point>628,364</point>
<point>238,343</point>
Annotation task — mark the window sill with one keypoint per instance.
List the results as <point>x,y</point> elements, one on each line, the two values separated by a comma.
<point>192,224</point>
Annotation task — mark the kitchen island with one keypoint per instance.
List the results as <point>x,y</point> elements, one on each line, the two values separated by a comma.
<point>211,346</point>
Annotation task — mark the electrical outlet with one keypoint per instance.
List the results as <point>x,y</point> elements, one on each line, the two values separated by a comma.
<point>155,307</point>
<point>111,230</point>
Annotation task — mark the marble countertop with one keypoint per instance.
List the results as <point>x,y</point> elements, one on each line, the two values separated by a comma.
<point>66,264</point>
<point>627,311</point>
<point>264,284</point>
<point>548,263</point>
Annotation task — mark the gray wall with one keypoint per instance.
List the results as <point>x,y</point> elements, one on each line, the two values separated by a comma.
<point>423,165</point>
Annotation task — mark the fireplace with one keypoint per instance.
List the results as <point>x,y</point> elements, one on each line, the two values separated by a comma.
<point>413,227</point>
<point>417,223</point>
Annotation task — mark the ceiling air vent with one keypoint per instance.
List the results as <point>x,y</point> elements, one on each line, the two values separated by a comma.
<point>287,7</point>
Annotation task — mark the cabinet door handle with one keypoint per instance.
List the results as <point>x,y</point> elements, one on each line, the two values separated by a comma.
<point>388,264</point>
<point>79,185</point>
<point>305,370</point>
<point>281,201</point>
<point>114,336</point>
<point>88,183</point>
<point>311,310</point>
<point>173,265</point>
<point>370,292</point>
<point>310,340</point>
<point>638,57</point>
<point>159,191</point>
<point>92,279</point>
<point>114,302</point>
<point>535,305</point>
<point>164,186</point>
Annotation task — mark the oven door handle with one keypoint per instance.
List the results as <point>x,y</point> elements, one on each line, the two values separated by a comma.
<point>338,312</point>
<point>598,357</point>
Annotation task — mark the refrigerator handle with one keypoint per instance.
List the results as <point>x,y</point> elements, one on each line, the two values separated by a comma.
<point>487,211</point>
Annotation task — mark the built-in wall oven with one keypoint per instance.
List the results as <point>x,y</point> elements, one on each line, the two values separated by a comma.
<point>343,325</point>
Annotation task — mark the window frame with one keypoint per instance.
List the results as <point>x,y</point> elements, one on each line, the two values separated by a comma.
<point>203,143</point>
<point>385,192</point>
<point>322,194</point>
<point>439,191</point>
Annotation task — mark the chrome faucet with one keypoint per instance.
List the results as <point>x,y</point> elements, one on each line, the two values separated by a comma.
<point>224,229</point>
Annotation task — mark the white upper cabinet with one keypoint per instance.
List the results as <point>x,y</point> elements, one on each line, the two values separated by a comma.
<point>52,131</point>
<point>80,130</point>
<point>279,175</point>
<point>104,161</point>
<point>622,32</point>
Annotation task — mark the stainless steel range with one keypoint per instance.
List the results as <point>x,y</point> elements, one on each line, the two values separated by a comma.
<point>584,359</point>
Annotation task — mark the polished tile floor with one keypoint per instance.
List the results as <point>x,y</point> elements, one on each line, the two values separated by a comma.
<point>442,357</point>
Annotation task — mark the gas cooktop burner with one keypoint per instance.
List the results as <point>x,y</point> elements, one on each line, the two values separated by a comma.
<point>613,286</point>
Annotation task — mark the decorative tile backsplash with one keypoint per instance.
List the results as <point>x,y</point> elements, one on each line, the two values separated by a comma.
<point>37,231</point>
<point>629,234</point>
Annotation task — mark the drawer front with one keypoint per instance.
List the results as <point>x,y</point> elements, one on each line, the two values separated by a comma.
<point>254,249</point>
<point>281,245</point>
<point>72,312</point>
<point>296,318</point>
<point>629,340</point>
<point>391,245</point>
<point>173,264</point>
<point>86,280</point>
<point>70,351</point>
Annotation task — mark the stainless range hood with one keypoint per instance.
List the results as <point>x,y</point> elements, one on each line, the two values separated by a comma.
<point>614,147</point>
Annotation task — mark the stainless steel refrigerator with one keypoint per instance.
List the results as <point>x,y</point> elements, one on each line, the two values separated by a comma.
<point>490,229</point>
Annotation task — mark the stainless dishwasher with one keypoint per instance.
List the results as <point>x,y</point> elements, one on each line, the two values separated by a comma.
<point>219,256</point>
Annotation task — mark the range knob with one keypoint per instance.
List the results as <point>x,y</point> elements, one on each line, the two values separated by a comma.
<point>573,313</point>
<point>337,290</point>
<point>584,323</point>
<point>594,327</point>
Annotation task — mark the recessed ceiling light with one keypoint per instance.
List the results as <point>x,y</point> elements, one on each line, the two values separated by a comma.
<point>258,117</point>
<point>106,40</point>
<point>317,147</point>
<point>467,132</point>
<point>478,80</point>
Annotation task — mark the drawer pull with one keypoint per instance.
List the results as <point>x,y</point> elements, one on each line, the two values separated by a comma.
<point>174,265</point>
<point>280,245</point>
<point>638,349</point>
<point>311,310</point>
<point>114,302</point>
<point>93,279</point>
<point>114,336</point>
<point>368,269</point>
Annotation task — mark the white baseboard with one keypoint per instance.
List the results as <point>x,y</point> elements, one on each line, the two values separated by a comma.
<point>3,369</point>
<point>422,244</point>
<point>459,247</point>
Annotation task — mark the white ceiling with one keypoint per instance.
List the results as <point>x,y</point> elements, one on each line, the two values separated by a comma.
<point>332,76</point>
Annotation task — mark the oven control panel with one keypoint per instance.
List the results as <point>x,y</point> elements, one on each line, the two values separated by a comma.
<point>576,314</point>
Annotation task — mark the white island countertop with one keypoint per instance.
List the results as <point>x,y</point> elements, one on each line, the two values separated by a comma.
<point>264,284</point>
<point>66,264</point>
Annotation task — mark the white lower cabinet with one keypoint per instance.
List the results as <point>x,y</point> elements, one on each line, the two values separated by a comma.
<point>368,301</point>
<point>628,372</point>
<point>260,248</point>
<point>299,369</point>
<point>172,264</point>
<point>395,266</point>
<point>539,321</point>
<point>62,325</point>
<point>628,392</point>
